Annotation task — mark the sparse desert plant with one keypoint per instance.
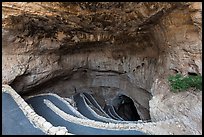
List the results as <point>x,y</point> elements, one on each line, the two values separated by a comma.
<point>180,83</point>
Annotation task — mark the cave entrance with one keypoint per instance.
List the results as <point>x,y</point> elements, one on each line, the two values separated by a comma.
<point>130,107</point>
<point>125,108</point>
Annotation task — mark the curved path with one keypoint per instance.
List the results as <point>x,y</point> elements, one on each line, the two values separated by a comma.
<point>60,103</point>
<point>108,112</point>
<point>88,112</point>
<point>95,103</point>
<point>94,108</point>
<point>111,112</point>
<point>42,109</point>
<point>13,119</point>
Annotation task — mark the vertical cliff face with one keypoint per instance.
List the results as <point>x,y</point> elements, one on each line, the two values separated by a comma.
<point>109,49</point>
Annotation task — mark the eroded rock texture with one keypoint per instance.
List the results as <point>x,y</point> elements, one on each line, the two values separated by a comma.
<point>111,48</point>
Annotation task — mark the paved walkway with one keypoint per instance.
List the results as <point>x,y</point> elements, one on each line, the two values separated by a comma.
<point>41,108</point>
<point>13,119</point>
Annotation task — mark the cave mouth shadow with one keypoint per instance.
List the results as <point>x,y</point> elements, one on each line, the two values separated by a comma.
<point>125,108</point>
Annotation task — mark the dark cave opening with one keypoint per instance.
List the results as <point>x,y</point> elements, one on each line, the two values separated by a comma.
<point>125,105</point>
<point>192,74</point>
<point>126,109</point>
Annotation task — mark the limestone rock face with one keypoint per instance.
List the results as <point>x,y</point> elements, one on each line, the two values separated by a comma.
<point>110,48</point>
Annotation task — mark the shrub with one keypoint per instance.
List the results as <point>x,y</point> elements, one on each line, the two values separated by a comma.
<point>180,83</point>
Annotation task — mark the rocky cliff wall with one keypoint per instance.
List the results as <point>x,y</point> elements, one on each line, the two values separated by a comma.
<point>110,48</point>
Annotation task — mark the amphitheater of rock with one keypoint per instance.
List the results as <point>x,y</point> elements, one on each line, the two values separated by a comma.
<point>112,50</point>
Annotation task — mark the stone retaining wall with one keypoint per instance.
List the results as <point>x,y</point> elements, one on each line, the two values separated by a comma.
<point>34,118</point>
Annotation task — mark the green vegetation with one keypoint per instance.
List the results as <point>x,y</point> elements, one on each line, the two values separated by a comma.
<point>180,83</point>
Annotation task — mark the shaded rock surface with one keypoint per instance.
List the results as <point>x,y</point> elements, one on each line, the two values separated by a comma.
<point>111,48</point>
